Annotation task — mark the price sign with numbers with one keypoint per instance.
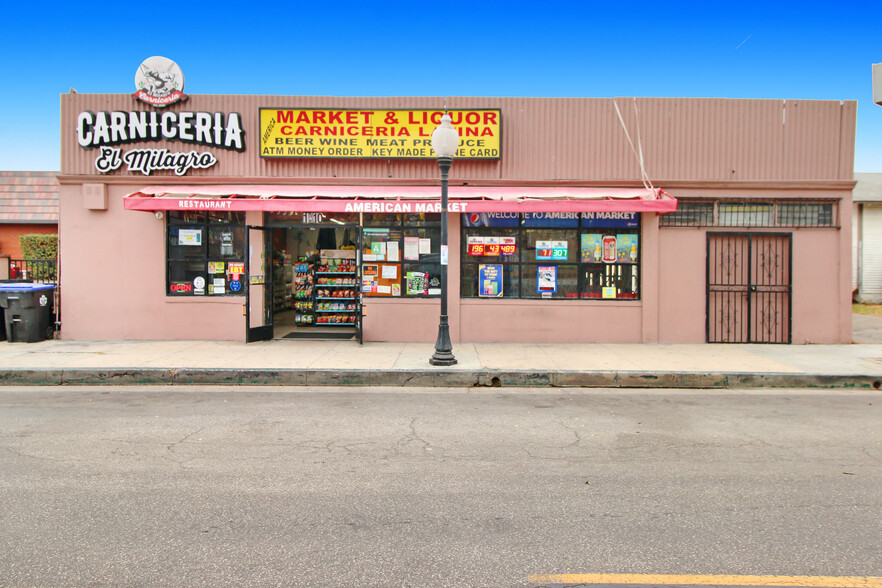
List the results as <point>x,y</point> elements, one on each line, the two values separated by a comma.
<point>476,245</point>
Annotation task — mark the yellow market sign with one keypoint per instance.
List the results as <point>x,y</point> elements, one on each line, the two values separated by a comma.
<point>374,134</point>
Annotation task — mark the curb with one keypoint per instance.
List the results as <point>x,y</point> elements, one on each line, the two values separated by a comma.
<point>429,378</point>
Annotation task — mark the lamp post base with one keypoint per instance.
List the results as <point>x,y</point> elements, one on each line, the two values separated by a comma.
<point>442,358</point>
<point>443,348</point>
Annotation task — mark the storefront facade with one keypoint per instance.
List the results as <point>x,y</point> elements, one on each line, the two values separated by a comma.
<point>735,229</point>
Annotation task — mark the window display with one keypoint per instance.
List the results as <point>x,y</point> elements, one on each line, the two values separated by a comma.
<point>205,253</point>
<point>551,255</point>
<point>401,255</point>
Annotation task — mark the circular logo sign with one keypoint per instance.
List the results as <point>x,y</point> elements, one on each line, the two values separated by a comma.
<point>43,300</point>
<point>235,285</point>
<point>159,81</point>
<point>199,282</point>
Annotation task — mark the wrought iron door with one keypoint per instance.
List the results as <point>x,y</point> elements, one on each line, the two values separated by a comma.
<point>748,287</point>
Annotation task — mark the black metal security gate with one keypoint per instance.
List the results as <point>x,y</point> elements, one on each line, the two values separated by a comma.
<point>749,287</point>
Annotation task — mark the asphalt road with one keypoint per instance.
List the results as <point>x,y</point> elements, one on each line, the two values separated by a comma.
<point>347,487</point>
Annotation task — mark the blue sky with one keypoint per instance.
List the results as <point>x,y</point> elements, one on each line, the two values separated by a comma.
<point>709,49</point>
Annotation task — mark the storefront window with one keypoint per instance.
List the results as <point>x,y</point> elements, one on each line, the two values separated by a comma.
<point>205,253</point>
<point>401,255</point>
<point>551,255</point>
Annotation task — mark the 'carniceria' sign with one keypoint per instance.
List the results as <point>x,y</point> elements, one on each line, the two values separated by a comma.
<point>106,130</point>
<point>160,83</point>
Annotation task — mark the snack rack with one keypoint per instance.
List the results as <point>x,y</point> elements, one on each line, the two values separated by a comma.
<point>336,293</point>
<point>304,290</point>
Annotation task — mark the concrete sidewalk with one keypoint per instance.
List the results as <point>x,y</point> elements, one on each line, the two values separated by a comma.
<point>325,363</point>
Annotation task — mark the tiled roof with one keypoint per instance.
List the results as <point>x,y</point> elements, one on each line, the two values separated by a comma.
<point>28,197</point>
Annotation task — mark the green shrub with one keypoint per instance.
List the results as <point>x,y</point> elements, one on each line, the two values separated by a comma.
<point>40,247</point>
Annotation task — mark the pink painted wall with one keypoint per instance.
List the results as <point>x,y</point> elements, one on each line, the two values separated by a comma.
<point>817,289</point>
<point>113,279</point>
<point>821,274</point>
<point>681,288</point>
<point>546,321</point>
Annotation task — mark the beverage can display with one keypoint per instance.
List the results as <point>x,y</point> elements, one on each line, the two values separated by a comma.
<point>609,249</point>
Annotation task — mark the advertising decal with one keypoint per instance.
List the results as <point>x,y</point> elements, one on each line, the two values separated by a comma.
<point>374,134</point>
<point>490,281</point>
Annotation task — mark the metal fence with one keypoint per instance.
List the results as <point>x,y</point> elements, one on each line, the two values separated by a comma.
<point>42,271</point>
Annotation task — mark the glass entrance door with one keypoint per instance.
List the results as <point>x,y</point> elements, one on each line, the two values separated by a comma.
<point>259,289</point>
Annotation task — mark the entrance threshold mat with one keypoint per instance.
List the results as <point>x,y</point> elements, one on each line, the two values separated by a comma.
<point>325,335</point>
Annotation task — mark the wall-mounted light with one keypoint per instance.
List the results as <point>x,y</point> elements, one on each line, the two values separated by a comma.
<point>159,215</point>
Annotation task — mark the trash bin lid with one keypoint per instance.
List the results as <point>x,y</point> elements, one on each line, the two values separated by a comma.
<point>25,287</point>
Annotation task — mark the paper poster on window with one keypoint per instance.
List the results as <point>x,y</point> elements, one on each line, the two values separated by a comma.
<point>490,281</point>
<point>392,251</point>
<point>226,247</point>
<point>609,291</point>
<point>370,270</point>
<point>384,289</point>
<point>546,278</point>
<point>396,289</point>
<point>417,283</point>
<point>592,248</point>
<point>189,236</point>
<point>390,272</point>
<point>626,248</point>
<point>216,267</point>
<point>425,246</point>
<point>219,285</point>
<point>236,268</point>
<point>378,248</point>
<point>411,248</point>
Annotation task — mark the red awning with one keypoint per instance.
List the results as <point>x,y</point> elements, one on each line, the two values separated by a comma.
<point>399,199</point>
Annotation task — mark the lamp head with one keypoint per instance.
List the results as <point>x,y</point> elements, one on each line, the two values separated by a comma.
<point>445,138</point>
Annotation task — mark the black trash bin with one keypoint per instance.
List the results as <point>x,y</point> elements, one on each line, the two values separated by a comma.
<point>27,309</point>
<point>3,310</point>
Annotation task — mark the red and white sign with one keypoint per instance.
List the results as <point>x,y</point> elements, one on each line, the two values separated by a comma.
<point>159,81</point>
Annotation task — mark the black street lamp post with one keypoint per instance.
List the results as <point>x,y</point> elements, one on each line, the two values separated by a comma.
<point>445,141</point>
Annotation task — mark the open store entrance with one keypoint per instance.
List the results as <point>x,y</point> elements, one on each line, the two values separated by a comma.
<point>316,281</point>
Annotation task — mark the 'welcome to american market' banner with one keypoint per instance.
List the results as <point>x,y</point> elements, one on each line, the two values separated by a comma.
<point>374,134</point>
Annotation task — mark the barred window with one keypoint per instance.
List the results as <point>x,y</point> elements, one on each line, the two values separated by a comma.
<point>690,214</point>
<point>805,214</point>
<point>751,213</point>
<point>745,214</point>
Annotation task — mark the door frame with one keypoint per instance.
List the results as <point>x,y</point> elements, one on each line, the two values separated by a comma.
<point>359,303</point>
<point>749,293</point>
<point>262,332</point>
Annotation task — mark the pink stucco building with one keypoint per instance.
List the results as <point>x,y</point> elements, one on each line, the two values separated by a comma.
<point>298,216</point>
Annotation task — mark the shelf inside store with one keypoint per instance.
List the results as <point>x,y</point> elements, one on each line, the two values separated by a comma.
<point>336,311</point>
<point>333,298</point>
